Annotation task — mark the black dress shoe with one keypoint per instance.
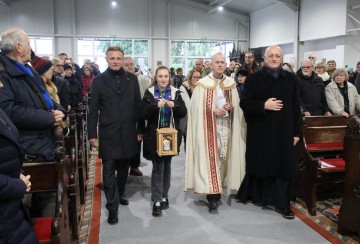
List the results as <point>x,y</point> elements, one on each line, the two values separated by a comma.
<point>135,172</point>
<point>113,217</point>
<point>213,206</point>
<point>286,213</point>
<point>123,200</point>
<point>157,209</point>
<point>164,204</point>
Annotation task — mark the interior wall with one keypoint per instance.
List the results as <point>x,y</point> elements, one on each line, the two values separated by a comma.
<point>322,19</point>
<point>67,20</point>
<point>272,25</point>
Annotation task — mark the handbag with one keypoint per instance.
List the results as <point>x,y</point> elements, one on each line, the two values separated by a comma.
<point>166,139</point>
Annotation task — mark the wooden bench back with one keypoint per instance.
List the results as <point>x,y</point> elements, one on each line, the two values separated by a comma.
<point>52,176</point>
<point>349,214</point>
<point>324,129</point>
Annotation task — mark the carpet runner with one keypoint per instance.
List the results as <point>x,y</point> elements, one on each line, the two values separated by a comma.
<point>326,220</point>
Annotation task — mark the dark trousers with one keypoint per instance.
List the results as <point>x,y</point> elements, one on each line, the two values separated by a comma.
<point>135,161</point>
<point>160,178</point>
<point>114,185</point>
<point>213,197</point>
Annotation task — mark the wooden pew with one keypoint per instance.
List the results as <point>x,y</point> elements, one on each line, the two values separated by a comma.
<point>349,216</point>
<point>322,141</point>
<point>52,176</point>
<point>73,182</point>
<point>82,148</point>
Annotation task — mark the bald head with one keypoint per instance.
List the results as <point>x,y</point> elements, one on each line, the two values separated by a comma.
<point>273,57</point>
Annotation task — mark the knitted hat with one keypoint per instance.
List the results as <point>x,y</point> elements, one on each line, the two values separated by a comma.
<point>41,65</point>
<point>348,68</point>
<point>67,66</point>
<point>242,72</point>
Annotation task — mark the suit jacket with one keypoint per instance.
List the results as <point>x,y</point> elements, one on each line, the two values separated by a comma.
<point>115,106</point>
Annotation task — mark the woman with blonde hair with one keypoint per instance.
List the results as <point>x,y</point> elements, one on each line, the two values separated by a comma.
<point>162,104</point>
<point>187,88</point>
<point>341,95</point>
<point>44,67</point>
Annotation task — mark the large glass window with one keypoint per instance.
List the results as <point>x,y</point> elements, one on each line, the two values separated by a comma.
<point>185,53</point>
<point>42,46</point>
<point>95,50</point>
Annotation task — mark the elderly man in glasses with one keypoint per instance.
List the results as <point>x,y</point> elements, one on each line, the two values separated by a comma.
<point>312,91</point>
<point>331,66</point>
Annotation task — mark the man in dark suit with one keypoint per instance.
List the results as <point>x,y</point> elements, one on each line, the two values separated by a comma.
<point>115,93</point>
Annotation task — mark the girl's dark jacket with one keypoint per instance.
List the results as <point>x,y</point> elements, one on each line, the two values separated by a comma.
<point>150,112</point>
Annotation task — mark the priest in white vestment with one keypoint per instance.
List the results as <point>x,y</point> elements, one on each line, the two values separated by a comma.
<point>216,132</point>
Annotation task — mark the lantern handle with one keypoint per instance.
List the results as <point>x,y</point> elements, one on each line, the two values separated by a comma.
<point>172,125</point>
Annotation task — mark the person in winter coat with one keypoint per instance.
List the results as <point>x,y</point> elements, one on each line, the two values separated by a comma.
<point>341,95</point>
<point>24,98</point>
<point>164,100</point>
<point>87,79</point>
<point>114,109</point>
<point>271,105</point>
<point>312,91</point>
<point>15,224</point>
<point>75,89</point>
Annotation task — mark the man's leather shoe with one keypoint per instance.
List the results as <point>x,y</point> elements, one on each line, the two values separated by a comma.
<point>164,204</point>
<point>213,206</point>
<point>113,217</point>
<point>157,209</point>
<point>123,200</point>
<point>286,213</point>
<point>135,172</point>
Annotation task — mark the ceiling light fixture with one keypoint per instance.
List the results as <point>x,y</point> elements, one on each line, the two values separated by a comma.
<point>113,4</point>
<point>220,8</point>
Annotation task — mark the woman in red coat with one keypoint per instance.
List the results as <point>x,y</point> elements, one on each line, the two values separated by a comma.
<point>87,79</point>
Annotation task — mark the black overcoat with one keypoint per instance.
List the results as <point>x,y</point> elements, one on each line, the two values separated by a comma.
<point>15,224</point>
<point>150,113</point>
<point>115,106</point>
<point>269,143</point>
<point>21,99</point>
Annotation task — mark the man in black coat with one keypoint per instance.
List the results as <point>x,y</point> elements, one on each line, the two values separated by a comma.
<point>271,106</point>
<point>312,91</point>
<point>24,98</point>
<point>115,93</point>
<point>15,224</point>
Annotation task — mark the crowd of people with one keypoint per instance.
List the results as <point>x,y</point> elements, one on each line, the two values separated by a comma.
<point>239,123</point>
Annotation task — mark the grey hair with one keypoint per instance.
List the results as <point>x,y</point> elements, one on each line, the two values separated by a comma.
<point>10,38</point>
<point>339,71</point>
<point>309,61</point>
<point>216,54</point>
<point>128,57</point>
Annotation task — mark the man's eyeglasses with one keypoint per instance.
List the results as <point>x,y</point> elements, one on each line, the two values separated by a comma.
<point>306,67</point>
<point>331,64</point>
<point>311,57</point>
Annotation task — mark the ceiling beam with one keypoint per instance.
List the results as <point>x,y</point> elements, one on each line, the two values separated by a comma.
<point>238,15</point>
<point>219,5</point>
<point>355,7</point>
<point>213,3</point>
<point>354,18</point>
<point>292,4</point>
<point>4,3</point>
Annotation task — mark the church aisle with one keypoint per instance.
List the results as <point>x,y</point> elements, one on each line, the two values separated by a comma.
<point>188,220</point>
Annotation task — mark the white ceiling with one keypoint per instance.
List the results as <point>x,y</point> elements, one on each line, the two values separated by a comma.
<point>244,7</point>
